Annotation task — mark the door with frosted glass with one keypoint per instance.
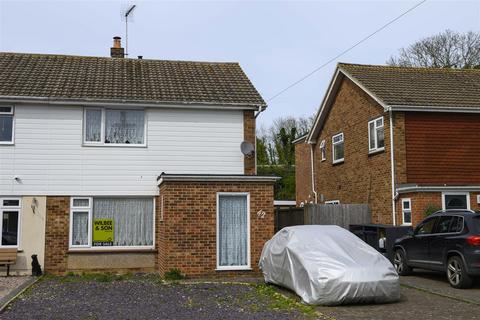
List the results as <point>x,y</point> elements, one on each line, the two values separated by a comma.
<point>233,243</point>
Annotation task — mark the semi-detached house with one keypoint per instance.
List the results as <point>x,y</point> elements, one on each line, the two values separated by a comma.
<point>406,141</point>
<point>112,163</point>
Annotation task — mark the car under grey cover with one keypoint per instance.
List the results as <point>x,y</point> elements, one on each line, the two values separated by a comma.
<point>328,265</point>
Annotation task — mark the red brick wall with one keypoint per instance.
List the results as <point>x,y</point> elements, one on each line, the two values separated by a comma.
<point>443,148</point>
<point>186,238</point>
<point>303,173</point>
<point>249,135</point>
<point>361,178</point>
<point>56,234</point>
<point>421,200</point>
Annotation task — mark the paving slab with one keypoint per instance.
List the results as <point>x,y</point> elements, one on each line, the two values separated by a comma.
<point>436,282</point>
<point>12,285</point>
<point>414,304</point>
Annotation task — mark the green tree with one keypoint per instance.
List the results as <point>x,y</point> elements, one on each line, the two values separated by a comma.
<point>276,152</point>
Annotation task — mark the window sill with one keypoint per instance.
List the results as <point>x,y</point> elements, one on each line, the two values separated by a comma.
<point>338,162</point>
<point>119,251</point>
<point>374,152</point>
<point>7,143</point>
<point>113,145</point>
<point>234,268</point>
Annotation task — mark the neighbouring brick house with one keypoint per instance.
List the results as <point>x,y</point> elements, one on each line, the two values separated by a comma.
<point>109,163</point>
<point>430,116</point>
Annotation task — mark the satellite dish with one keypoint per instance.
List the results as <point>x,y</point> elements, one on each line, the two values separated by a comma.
<point>247,148</point>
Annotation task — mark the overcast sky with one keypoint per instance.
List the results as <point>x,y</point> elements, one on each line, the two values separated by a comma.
<point>276,43</point>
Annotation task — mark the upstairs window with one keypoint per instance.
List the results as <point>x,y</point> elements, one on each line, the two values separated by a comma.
<point>6,124</point>
<point>323,150</point>
<point>376,135</point>
<point>114,127</point>
<point>337,148</point>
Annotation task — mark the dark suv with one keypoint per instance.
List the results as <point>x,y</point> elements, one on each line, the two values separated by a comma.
<point>447,241</point>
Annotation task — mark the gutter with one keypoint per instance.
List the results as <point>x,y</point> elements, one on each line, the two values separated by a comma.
<point>392,161</point>
<point>216,178</point>
<point>417,188</point>
<point>313,172</point>
<point>434,109</point>
<point>131,103</point>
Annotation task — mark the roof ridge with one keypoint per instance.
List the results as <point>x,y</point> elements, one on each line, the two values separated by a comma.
<point>104,58</point>
<point>380,66</point>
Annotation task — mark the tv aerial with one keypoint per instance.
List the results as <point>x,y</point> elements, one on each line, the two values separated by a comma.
<point>127,13</point>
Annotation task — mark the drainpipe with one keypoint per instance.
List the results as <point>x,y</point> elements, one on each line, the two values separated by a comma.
<point>313,172</point>
<point>392,161</point>
<point>260,110</point>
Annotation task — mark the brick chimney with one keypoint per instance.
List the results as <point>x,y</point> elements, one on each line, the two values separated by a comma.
<point>117,51</point>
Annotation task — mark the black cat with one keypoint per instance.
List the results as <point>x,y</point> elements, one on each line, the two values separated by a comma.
<point>36,268</point>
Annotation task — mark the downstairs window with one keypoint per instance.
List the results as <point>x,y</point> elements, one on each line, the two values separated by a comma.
<point>111,222</point>
<point>10,226</point>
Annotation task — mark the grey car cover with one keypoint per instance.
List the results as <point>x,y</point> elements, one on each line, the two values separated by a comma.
<point>328,265</point>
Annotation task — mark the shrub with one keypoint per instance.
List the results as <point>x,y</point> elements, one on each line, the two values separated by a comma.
<point>174,274</point>
<point>431,208</point>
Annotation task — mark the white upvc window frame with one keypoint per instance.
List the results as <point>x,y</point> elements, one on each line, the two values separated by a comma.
<point>334,144</point>
<point>375,148</point>
<point>10,113</point>
<point>332,202</point>
<point>89,246</point>
<point>88,209</point>
<point>226,268</point>
<point>404,210</point>
<point>102,143</point>
<point>456,193</point>
<point>323,150</point>
<point>19,222</point>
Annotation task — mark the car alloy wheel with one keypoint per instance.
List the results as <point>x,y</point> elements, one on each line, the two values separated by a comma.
<point>454,272</point>
<point>398,262</point>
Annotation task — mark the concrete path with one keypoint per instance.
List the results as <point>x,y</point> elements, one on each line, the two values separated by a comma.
<point>11,286</point>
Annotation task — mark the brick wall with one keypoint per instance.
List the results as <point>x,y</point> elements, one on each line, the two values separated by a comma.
<point>361,178</point>
<point>186,238</point>
<point>421,200</point>
<point>56,234</point>
<point>249,135</point>
<point>303,173</point>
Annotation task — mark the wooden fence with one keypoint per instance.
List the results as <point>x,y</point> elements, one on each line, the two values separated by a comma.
<point>342,215</point>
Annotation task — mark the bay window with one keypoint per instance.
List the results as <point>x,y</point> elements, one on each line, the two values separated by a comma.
<point>10,223</point>
<point>111,222</point>
<point>376,135</point>
<point>114,127</point>
<point>6,124</point>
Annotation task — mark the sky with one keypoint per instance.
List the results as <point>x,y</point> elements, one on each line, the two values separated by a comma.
<point>275,42</point>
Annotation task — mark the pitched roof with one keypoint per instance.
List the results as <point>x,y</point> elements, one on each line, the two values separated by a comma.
<point>440,87</point>
<point>78,78</point>
<point>406,89</point>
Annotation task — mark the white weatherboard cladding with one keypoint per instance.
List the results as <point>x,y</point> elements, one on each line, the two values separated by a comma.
<point>49,159</point>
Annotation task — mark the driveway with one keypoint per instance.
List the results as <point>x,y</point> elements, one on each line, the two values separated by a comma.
<point>147,297</point>
<point>424,296</point>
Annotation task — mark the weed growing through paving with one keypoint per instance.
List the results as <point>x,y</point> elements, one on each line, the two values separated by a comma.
<point>280,302</point>
<point>174,274</point>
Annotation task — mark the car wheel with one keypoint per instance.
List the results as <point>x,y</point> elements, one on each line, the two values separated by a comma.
<point>400,263</point>
<point>457,273</point>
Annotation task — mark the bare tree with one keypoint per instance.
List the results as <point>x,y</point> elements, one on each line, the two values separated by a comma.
<point>448,49</point>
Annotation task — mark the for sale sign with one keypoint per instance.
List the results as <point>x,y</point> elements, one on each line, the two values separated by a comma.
<point>103,232</point>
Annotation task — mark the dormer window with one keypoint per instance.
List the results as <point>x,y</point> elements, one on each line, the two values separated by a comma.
<point>114,127</point>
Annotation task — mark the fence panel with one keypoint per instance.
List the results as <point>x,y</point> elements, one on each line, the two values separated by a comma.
<point>342,215</point>
<point>286,217</point>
